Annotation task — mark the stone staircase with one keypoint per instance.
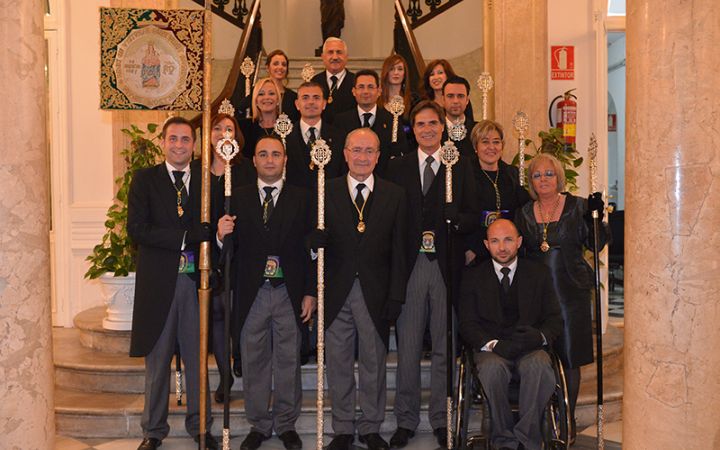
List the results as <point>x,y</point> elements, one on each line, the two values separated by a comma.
<point>99,388</point>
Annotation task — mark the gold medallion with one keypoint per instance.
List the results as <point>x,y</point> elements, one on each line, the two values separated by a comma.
<point>180,211</point>
<point>361,226</point>
<point>330,99</point>
<point>544,246</point>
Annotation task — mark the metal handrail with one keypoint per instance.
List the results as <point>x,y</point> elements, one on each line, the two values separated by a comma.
<point>240,53</point>
<point>434,12</point>
<point>412,42</point>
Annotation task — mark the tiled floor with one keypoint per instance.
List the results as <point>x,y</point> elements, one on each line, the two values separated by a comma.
<point>426,441</point>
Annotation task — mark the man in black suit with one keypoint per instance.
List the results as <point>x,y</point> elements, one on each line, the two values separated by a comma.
<point>275,291</point>
<point>300,169</point>
<point>336,81</point>
<point>456,97</point>
<point>509,313</point>
<point>422,175</point>
<point>164,221</point>
<point>365,279</point>
<point>366,92</point>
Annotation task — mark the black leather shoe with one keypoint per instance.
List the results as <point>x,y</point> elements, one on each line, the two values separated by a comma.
<point>252,441</point>
<point>374,441</point>
<point>150,444</point>
<point>401,437</point>
<point>210,441</point>
<point>291,440</point>
<point>441,435</point>
<point>341,442</point>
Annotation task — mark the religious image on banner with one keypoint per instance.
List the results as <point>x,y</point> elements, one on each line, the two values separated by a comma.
<point>151,59</point>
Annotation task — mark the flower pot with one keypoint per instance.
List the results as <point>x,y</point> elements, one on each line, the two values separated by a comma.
<point>119,296</point>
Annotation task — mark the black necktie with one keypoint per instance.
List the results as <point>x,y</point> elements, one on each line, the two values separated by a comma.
<point>333,86</point>
<point>366,120</point>
<point>313,136</point>
<point>359,199</point>
<point>428,174</point>
<point>180,186</point>
<point>505,282</point>
<point>268,205</point>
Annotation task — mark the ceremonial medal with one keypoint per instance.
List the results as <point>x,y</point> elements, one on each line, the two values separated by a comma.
<point>330,99</point>
<point>180,211</point>
<point>361,227</point>
<point>544,246</point>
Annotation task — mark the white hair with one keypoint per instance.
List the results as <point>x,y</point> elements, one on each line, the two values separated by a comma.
<point>333,39</point>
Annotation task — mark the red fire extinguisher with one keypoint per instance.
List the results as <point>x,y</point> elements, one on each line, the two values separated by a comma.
<point>566,116</point>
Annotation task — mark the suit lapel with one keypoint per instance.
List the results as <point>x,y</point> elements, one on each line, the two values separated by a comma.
<point>379,204</point>
<point>285,207</point>
<point>342,200</point>
<point>491,288</point>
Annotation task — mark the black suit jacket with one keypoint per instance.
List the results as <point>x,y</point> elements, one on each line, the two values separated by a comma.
<point>376,256</point>
<point>405,171</point>
<point>383,125</point>
<point>291,221</point>
<point>481,312</point>
<point>154,225</point>
<point>299,172</point>
<point>342,99</point>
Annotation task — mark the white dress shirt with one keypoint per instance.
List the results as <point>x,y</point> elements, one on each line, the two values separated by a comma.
<point>422,156</point>
<point>305,130</point>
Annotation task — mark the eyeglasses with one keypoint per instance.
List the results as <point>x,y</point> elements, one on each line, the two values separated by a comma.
<point>546,174</point>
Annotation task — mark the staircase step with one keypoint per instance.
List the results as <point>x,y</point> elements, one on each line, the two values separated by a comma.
<point>107,415</point>
<point>78,367</point>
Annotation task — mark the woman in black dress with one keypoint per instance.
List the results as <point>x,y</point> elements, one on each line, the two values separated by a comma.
<point>556,228</point>
<point>498,184</point>
<point>243,173</point>
<point>278,64</point>
<point>265,111</point>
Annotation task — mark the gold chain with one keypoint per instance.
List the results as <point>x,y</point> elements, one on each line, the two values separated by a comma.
<point>544,246</point>
<point>495,185</point>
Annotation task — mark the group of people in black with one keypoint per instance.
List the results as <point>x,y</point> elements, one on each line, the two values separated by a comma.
<point>387,257</point>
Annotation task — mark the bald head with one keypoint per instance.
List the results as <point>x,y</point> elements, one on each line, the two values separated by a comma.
<point>503,241</point>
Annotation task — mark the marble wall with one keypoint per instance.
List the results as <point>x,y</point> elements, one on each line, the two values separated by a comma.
<point>672,305</point>
<point>26,371</point>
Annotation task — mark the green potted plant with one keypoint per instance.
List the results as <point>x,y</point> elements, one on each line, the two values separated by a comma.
<point>112,261</point>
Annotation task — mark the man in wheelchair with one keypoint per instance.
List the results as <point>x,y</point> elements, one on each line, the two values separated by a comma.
<point>509,314</point>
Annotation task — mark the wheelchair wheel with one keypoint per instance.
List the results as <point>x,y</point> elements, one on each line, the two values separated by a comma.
<point>557,414</point>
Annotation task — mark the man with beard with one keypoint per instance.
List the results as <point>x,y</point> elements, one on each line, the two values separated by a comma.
<point>456,96</point>
<point>509,314</point>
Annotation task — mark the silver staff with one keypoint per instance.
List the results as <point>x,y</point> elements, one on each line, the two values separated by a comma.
<point>247,68</point>
<point>485,83</point>
<point>283,127</point>
<point>320,156</point>
<point>521,122</point>
<point>449,156</point>
<point>396,107</point>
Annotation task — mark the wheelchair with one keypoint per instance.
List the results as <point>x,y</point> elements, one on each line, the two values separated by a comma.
<point>470,397</point>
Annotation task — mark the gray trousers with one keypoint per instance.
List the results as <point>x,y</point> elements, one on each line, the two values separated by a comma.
<point>340,340</point>
<point>270,349</point>
<point>537,383</point>
<point>426,297</point>
<point>182,326</point>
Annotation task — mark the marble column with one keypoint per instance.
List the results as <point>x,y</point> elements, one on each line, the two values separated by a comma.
<point>672,230</point>
<point>26,367</point>
<point>516,55</point>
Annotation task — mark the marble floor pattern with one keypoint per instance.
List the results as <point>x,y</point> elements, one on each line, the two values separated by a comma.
<point>423,441</point>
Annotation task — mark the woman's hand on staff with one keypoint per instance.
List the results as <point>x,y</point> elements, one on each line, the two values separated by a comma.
<point>309,305</point>
<point>226,225</point>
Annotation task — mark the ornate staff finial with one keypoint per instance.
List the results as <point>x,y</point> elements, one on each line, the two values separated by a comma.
<point>226,108</point>
<point>457,132</point>
<point>247,68</point>
<point>521,122</point>
<point>485,83</point>
<point>227,148</point>
<point>396,107</point>
<point>283,127</point>
<point>449,156</point>
<point>592,152</point>
<point>307,72</point>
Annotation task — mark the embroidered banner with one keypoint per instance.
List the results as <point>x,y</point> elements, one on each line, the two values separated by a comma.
<point>151,59</point>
